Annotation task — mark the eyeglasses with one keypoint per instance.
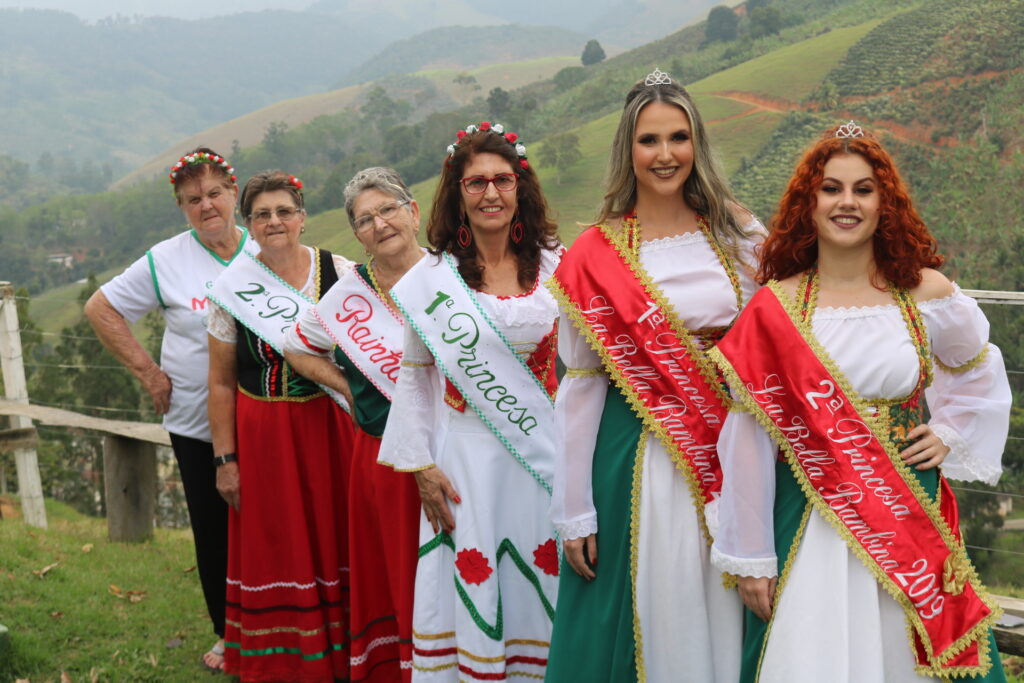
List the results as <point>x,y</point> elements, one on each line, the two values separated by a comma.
<point>503,182</point>
<point>386,212</point>
<point>283,213</point>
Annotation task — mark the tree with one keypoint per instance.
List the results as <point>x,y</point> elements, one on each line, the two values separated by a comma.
<point>569,77</point>
<point>560,151</point>
<point>722,25</point>
<point>765,21</point>
<point>498,103</point>
<point>592,53</point>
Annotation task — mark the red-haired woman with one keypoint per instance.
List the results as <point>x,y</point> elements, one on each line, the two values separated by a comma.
<point>472,416</point>
<point>834,514</point>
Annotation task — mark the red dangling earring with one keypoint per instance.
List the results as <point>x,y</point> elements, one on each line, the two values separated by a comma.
<point>463,235</point>
<point>516,234</point>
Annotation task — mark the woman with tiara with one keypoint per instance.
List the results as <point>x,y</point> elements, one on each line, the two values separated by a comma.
<point>835,515</point>
<point>644,293</point>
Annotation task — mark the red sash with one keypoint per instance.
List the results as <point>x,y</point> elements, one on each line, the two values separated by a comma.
<point>851,472</point>
<point>666,378</point>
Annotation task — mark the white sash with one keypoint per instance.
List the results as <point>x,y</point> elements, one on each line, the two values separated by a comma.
<point>268,306</point>
<point>477,358</point>
<point>365,329</point>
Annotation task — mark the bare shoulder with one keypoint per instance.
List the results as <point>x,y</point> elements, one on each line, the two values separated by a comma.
<point>934,285</point>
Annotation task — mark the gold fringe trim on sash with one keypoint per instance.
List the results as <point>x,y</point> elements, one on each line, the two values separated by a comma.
<point>787,568</point>
<point>700,358</point>
<point>979,633</point>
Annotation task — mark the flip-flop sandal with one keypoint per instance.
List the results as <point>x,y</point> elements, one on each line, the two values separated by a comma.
<point>217,651</point>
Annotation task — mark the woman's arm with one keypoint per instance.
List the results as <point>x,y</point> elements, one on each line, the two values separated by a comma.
<point>321,370</point>
<point>578,409</point>
<point>223,379</point>
<point>113,331</point>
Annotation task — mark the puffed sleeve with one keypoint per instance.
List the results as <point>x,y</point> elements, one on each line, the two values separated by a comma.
<point>221,325</point>
<point>414,428</point>
<point>745,534</point>
<point>578,408</point>
<point>969,399</point>
<point>308,336</point>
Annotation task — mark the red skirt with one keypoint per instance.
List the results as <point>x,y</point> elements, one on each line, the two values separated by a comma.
<point>384,527</point>
<point>287,586</point>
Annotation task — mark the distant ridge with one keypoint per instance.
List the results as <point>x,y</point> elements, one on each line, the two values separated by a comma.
<point>464,48</point>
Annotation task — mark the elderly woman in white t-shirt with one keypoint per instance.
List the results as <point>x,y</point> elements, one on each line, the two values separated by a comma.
<point>172,277</point>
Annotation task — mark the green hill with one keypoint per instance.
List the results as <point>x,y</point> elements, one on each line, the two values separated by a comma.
<point>463,48</point>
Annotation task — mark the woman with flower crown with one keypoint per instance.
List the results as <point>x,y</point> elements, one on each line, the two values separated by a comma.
<point>284,444</point>
<point>171,277</point>
<point>835,514</point>
<point>472,416</point>
<point>644,293</point>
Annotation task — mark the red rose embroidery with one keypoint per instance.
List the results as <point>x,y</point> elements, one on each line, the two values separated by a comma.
<point>485,125</point>
<point>473,566</point>
<point>546,557</point>
<point>511,137</point>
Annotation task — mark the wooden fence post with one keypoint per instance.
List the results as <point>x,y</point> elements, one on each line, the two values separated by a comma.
<point>30,486</point>
<point>129,478</point>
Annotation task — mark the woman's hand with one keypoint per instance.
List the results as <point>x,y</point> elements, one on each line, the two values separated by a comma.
<point>435,490</point>
<point>229,484</point>
<point>758,593</point>
<point>581,554</point>
<point>158,385</point>
<point>927,451</point>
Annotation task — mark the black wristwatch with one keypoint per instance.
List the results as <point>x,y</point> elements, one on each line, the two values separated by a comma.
<point>219,460</point>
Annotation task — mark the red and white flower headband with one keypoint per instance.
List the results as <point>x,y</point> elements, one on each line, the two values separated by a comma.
<point>498,129</point>
<point>202,158</point>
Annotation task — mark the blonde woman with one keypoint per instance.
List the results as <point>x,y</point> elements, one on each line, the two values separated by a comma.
<point>644,293</point>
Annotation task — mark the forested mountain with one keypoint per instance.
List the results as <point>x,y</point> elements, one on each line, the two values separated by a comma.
<point>465,48</point>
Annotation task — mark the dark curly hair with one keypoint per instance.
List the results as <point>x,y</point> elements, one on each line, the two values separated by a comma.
<point>190,172</point>
<point>902,244</point>
<point>268,181</point>
<point>539,231</point>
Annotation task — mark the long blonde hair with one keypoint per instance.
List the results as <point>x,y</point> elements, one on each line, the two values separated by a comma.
<point>706,190</point>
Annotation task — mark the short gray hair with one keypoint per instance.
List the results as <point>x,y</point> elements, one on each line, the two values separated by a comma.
<point>380,178</point>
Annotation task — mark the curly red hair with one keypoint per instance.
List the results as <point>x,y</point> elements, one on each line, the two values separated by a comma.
<point>902,243</point>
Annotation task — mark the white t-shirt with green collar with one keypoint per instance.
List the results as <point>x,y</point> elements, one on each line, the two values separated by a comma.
<point>172,276</point>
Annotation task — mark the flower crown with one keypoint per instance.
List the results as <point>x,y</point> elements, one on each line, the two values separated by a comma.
<point>202,158</point>
<point>295,182</point>
<point>497,129</point>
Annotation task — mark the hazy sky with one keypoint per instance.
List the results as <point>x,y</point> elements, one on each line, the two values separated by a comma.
<point>91,10</point>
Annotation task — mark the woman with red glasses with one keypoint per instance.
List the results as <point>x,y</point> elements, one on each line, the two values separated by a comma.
<point>473,417</point>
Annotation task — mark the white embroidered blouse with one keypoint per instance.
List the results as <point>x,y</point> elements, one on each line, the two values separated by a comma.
<point>872,347</point>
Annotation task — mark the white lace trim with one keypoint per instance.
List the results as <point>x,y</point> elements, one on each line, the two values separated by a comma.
<point>221,325</point>
<point>851,312</point>
<point>374,644</point>
<point>959,464</point>
<point>536,308</point>
<point>580,528</point>
<point>683,239</point>
<point>767,567</point>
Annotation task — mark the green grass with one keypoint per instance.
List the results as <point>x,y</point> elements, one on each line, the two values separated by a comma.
<point>69,620</point>
<point>792,72</point>
<point>713,108</point>
<point>742,137</point>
